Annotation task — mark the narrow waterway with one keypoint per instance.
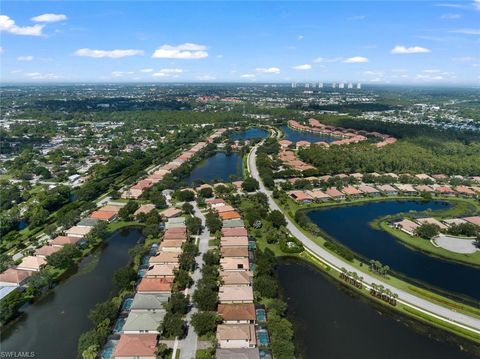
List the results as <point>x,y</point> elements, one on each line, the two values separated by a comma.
<point>295,136</point>
<point>333,322</point>
<point>220,167</point>
<point>350,225</point>
<point>51,327</point>
<point>249,134</point>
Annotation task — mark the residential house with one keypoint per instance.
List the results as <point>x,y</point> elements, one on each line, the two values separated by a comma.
<point>149,302</point>
<point>77,231</point>
<point>235,294</point>
<point>60,241</point>
<point>136,346</point>
<point>234,264</point>
<point>154,286</point>
<point>46,251</point>
<point>369,190</point>
<point>430,220</point>
<point>234,242</point>
<point>31,263</point>
<point>406,226</point>
<point>173,245</point>
<point>14,277</point>
<point>237,353</point>
<point>236,336</point>
<point>143,322</point>
<point>237,313</point>
<point>162,271</point>
<point>335,194</point>
<point>234,232</point>
<point>243,278</point>
<point>234,252</point>
<point>387,189</point>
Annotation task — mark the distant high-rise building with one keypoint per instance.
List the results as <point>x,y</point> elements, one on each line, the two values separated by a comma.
<point>350,85</point>
<point>341,85</point>
<point>359,86</point>
<point>307,85</point>
<point>334,85</point>
<point>320,85</point>
<point>294,85</point>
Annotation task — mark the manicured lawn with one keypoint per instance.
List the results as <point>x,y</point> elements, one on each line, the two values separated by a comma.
<point>426,246</point>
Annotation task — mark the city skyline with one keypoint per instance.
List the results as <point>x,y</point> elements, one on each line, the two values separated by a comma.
<point>427,43</point>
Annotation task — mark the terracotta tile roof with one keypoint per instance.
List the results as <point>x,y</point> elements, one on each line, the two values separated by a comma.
<point>136,345</point>
<point>45,251</point>
<point>63,240</point>
<point>234,232</point>
<point>237,332</point>
<point>15,276</point>
<point>239,311</point>
<point>155,285</point>
<point>103,215</point>
<point>32,263</point>
<point>230,215</point>
<point>236,278</point>
<point>234,252</point>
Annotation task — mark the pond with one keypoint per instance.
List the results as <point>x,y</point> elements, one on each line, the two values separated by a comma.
<point>249,134</point>
<point>331,321</point>
<point>377,244</point>
<point>295,136</point>
<point>51,327</point>
<point>220,167</point>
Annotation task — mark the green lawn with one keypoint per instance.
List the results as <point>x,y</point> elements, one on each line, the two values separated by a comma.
<point>427,246</point>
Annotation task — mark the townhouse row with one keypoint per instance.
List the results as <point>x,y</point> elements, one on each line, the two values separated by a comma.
<point>135,191</point>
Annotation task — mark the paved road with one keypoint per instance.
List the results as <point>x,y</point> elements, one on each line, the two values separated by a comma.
<point>188,346</point>
<point>406,298</point>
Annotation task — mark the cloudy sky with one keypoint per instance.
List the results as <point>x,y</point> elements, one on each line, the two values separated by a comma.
<point>420,42</point>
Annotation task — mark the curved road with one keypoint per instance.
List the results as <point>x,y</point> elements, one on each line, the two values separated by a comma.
<point>420,304</point>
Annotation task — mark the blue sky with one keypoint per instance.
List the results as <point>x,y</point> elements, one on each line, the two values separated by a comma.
<point>420,42</point>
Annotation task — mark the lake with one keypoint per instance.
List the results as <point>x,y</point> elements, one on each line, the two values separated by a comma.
<point>51,327</point>
<point>295,136</point>
<point>349,225</point>
<point>217,167</point>
<point>333,322</point>
<point>249,134</point>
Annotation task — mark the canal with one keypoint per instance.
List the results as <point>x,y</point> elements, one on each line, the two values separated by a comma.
<point>333,322</point>
<point>350,225</point>
<point>220,167</point>
<point>295,136</point>
<point>51,327</point>
<point>249,134</point>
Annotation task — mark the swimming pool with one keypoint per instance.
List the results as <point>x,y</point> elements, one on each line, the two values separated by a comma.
<point>262,337</point>
<point>107,352</point>
<point>127,304</point>
<point>141,273</point>
<point>119,325</point>
<point>265,354</point>
<point>261,315</point>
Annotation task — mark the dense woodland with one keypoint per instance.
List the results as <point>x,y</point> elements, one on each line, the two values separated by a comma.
<point>419,149</point>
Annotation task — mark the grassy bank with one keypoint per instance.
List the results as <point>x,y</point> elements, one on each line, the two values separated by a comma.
<point>426,246</point>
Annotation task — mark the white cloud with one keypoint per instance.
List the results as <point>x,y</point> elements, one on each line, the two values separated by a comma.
<point>300,37</point>
<point>467,31</point>
<point>400,49</point>
<point>355,60</point>
<point>464,59</point>
<point>248,76</point>
<point>455,6</point>
<point>357,17</point>
<point>121,73</point>
<point>326,59</point>
<point>40,76</point>
<point>183,51</point>
<point>112,54</point>
<point>8,25</point>
<point>268,70</point>
<point>302,67</point>
<point>168,73</point>
<point>1,50</point>
<point>206,77</point>
<point>25,58</point>
<point>476,4</point>
<point>146,70</point>
<point>450,16</point>
<point>49,18</point>
<point>373,73</point>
